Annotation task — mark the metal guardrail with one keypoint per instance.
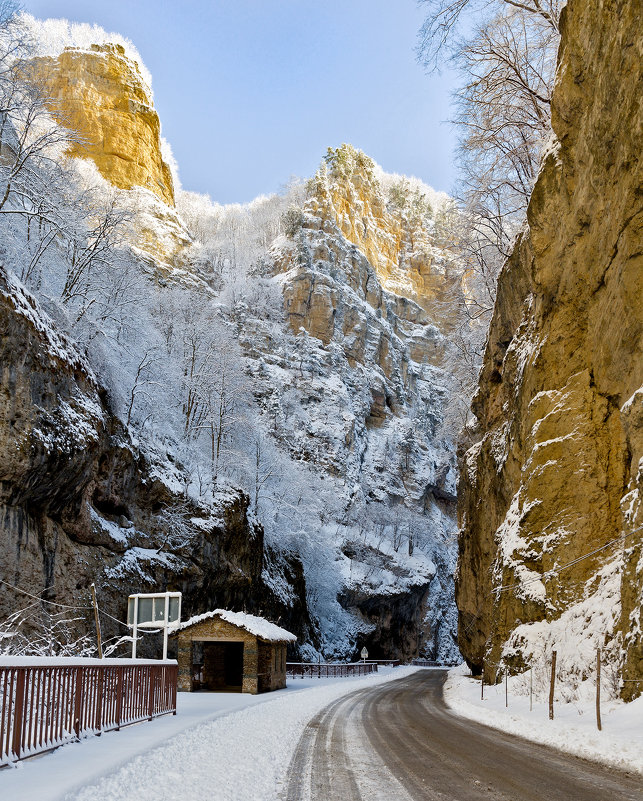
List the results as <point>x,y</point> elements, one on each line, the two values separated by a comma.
<point>43,706</point>
<point>323,670</point>
<point>425,663</point>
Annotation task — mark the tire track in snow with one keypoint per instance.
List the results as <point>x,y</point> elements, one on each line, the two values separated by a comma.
<point>400,742</point>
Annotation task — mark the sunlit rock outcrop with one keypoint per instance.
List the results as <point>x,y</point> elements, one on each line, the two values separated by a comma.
<point>390,221</point>
<point>100,93</point>
<point>556,474</point>
<point>358,387</point>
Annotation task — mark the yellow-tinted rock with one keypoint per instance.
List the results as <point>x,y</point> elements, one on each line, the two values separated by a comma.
<point>100,94</point>
<point>397,242</point>
<point>555,476</point>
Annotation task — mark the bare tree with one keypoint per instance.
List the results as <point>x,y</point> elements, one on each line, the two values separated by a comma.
<point>96,243</point>
<point>175,530</point>
<point>31,141</point>
<point>505,51</point>
<point>143,378</point>
<point>268,467</point>
<point>507,59</point>
<point>35,630</point>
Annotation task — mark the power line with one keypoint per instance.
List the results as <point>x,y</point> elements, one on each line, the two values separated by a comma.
<point>557,570</point>
<point>67,606</point>
<point>42,600</point>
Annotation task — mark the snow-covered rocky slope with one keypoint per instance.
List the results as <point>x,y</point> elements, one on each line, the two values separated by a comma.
<point>81,501</point>
<point>258,418</point>
<point>352,384</point>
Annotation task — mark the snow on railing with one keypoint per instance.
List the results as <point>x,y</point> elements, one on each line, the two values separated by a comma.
<point>323,670</point>
<point>47,702</point>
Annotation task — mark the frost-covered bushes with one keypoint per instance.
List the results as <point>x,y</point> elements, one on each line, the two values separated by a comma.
<point>38,630</point>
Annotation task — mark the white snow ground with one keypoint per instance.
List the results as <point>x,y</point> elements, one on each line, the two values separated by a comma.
<point>219,747</point>
<point>573,729</point>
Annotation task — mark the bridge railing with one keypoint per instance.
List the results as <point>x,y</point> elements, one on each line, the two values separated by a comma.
<point>323,670</point>
<point>45,703</point>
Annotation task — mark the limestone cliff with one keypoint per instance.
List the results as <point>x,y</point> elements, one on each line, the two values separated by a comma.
<point>340,388</point>
<point>392,226</point>
<point>550,508</point>
<point>100,93</point>
<point>80,503</point>
<point>357,387</point>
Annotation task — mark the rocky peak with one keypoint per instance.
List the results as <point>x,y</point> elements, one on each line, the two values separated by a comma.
<point>100,93</point>
<point>390,219</point>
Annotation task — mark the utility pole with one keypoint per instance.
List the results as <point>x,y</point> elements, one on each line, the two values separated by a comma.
<point>97,619</point>
<point>598,689</point>
<point>551,685</point>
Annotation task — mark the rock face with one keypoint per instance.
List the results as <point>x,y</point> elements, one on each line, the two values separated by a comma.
<point>392,232</point>
<point>79,502</point>
<point>556,474</point>
<point>349,377</point>
<point>100,93</point>
<point>357,387</point>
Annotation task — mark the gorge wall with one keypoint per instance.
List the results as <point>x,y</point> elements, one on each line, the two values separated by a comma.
<point>355,384</point>
<point>556,473</point>
<point>81,503</point>
<point>340,367</point>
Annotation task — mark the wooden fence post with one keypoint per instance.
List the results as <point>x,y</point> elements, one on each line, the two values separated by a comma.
<point>19,711</point>
<point>119,696</point>
<point>598,689</point>
<point>482,682</point>
<point>99,700</point>
<point>551,685</point>
<point>78,673</point>
<point>150,699</point>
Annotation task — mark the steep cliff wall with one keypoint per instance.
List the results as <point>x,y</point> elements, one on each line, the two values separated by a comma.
<point>355,384</point>
<point>79,503</point>
<point>556,475</point>
<point>391,225</point>
<point>100,93</point>
<point>338,396</point>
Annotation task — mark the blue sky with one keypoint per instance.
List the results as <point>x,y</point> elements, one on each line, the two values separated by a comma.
<point>251,92</point>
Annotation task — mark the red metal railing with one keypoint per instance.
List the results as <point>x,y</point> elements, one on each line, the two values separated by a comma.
<point>46,703</point>
<point>323,670</point>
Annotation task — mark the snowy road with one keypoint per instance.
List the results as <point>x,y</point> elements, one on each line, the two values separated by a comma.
<point>400,742</point>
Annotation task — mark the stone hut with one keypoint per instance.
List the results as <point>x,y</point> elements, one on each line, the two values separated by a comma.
<point>232,652</point>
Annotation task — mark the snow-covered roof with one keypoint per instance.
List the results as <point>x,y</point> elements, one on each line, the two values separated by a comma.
<point>259,626</point>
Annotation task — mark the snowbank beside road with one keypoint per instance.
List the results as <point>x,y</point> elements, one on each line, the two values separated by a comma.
<point>573,729</point>
<point>219,747</point>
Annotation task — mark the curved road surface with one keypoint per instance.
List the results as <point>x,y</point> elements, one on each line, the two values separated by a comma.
<point>400,742</point>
